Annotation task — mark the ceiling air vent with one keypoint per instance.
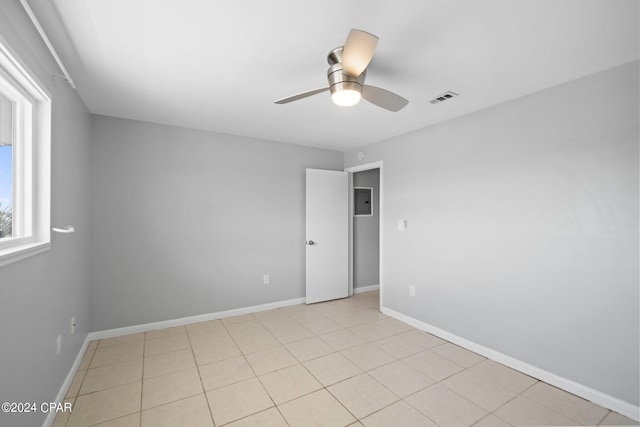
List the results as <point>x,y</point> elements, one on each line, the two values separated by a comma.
<point>443,97</point>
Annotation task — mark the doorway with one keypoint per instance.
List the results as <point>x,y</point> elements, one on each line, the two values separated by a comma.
<point>365,229</point>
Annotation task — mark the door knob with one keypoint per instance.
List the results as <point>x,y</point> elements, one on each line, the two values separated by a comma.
<point>310,242</point>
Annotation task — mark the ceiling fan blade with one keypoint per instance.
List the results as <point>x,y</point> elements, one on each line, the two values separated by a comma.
<point>383,98</point>
<point>358,51</point>
<point>300,95</point>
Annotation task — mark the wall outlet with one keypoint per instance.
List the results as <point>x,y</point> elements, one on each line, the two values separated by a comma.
<point>59,344</point>
<point>265,279</point>
<point>402,225</point>
<point>73,325</point>
<point>412,290</point>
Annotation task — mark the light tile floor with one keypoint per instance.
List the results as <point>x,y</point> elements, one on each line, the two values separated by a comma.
<point>337,363</point>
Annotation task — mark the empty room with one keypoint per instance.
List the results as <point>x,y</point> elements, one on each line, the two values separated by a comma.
<point>288,213</point>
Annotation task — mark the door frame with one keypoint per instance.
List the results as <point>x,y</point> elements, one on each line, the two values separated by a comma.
<point>351,170</point>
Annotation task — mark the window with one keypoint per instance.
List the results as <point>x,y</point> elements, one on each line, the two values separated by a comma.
<point>6,166</point>
<point>25,161</point>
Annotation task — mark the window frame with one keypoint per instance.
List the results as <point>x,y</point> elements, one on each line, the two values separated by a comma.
<point>31,144</point>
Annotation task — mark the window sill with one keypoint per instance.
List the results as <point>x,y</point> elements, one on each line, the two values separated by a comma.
<point>20,252</point>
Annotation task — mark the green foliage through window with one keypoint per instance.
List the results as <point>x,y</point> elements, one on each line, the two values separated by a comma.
<point>6,221</point>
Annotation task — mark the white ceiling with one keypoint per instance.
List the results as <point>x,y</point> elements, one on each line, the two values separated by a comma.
<point>219,65</point>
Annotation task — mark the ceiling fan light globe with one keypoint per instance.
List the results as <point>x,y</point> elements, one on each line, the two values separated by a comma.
<point>346,97</point>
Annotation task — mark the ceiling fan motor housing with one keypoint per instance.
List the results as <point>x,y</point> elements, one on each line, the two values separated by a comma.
<point>338,80</point>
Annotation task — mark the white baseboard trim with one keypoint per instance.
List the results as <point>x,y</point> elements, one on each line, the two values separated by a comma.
<point>48,422</point>
<point>361,289</point>
<point>127,330</point>
<point>627,409</point>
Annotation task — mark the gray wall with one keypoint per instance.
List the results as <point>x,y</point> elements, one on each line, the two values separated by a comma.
<point>366,234</point>
<point>190,221</point>
<point>39,295</point>
<point>523,228</point>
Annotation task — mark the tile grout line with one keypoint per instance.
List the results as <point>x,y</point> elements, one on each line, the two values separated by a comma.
<point>304,367</point>
<point>543,405</point>
<point>554,410</point>
<point>77,394</point>
<point>255,376</point>
<point>144,349</point>
<point>204,392</point>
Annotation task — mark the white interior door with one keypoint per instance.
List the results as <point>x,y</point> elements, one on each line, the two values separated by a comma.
<point>327,240</point>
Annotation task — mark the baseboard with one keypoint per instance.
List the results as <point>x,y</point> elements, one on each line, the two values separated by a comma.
<point>127,330</point>
<point>361,289</point>
<point>627,409</point>
<point>48,422</point>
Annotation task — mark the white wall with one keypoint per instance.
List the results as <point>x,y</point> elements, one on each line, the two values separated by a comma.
<point>523,228</point>
<point>189,221</point>
<point>39,295</point>
<point>366,234</point>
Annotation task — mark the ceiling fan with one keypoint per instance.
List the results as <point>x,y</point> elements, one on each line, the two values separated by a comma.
<point>346,74</point>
